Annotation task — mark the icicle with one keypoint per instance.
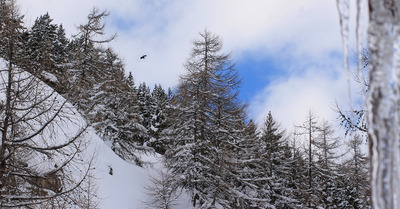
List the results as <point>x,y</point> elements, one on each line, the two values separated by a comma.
<point>383,102</point>
<point>360,36</point>
<point>382,105</point>
<point>343,7</point>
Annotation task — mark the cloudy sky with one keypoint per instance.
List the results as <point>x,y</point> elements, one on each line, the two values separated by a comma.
<point>288,52</point>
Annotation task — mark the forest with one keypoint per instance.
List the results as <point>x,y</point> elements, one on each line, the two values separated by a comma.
<point>211,149</point>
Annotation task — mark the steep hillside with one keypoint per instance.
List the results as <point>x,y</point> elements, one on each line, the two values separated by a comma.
<point>120,184</point>
<point>113,182</point>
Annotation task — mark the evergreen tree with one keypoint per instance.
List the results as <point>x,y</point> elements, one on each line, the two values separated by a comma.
<point>97,86</point>
<point>159,102</point>
<point>61,46</point>
<point>42,42</point>
<point>131,82</point>
<point>114,113</point>
<point>278,162</point>
<point>145,105</point>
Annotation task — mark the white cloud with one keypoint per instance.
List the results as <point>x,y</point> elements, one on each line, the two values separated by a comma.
<point>302,31</point>
<point>290,99</point>
<point>164,29</point>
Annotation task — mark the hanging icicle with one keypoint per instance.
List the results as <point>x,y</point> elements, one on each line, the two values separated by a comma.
<point>383,99</point>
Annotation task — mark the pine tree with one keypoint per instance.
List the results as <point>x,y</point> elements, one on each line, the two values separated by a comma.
<point>114,112</point>
<point>145,107</point>
<point>61,46</point>
<point>159,120</point>
<point>278,162</point>
<point>41,42</point>
<point>250,175</point>
<point>131,82</point>
<point>159,101</point>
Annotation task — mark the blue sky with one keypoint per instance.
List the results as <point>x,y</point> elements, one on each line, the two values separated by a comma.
<point>288,52</point>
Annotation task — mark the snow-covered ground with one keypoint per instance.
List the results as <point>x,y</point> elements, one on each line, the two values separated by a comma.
<point>125,188</point>
<point>118,184</point>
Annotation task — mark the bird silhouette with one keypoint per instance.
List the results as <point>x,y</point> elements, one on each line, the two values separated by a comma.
<point>142,57</point>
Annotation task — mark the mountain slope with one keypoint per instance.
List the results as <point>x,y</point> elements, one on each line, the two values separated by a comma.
<point>120,184</point>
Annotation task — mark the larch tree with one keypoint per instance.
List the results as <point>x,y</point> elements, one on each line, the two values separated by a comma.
<point>37,157</point>
<point>357,169</point>
<point>163,191</point>
<point>90,60</point>
<point>204,132</point>
<point>327,145</point>
<point>309,130</point>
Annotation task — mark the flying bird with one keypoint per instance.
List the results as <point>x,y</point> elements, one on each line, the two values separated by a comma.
<point>142,57</point>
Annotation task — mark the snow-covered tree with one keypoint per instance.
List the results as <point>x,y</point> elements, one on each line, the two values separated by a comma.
<point>91,61</point>
<point>310,128</point>
<point>321,186</point>
<point>159,102</point>
<point>145,104</point>
<point>61,46</point>
<point>48,52</point>
<point>326,174</point>
<point>356,169</point>
<point>277,162</point>
<point>42,40</point>
<point>37,157</point>
<point>163,192</point>
<point>114,112</point>
<point>159,120</point>
<point>327,144</point>
<point>204,131</point>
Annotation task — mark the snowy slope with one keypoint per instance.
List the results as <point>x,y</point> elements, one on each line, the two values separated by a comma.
<point>118,184</point>
<point>125,188</point>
